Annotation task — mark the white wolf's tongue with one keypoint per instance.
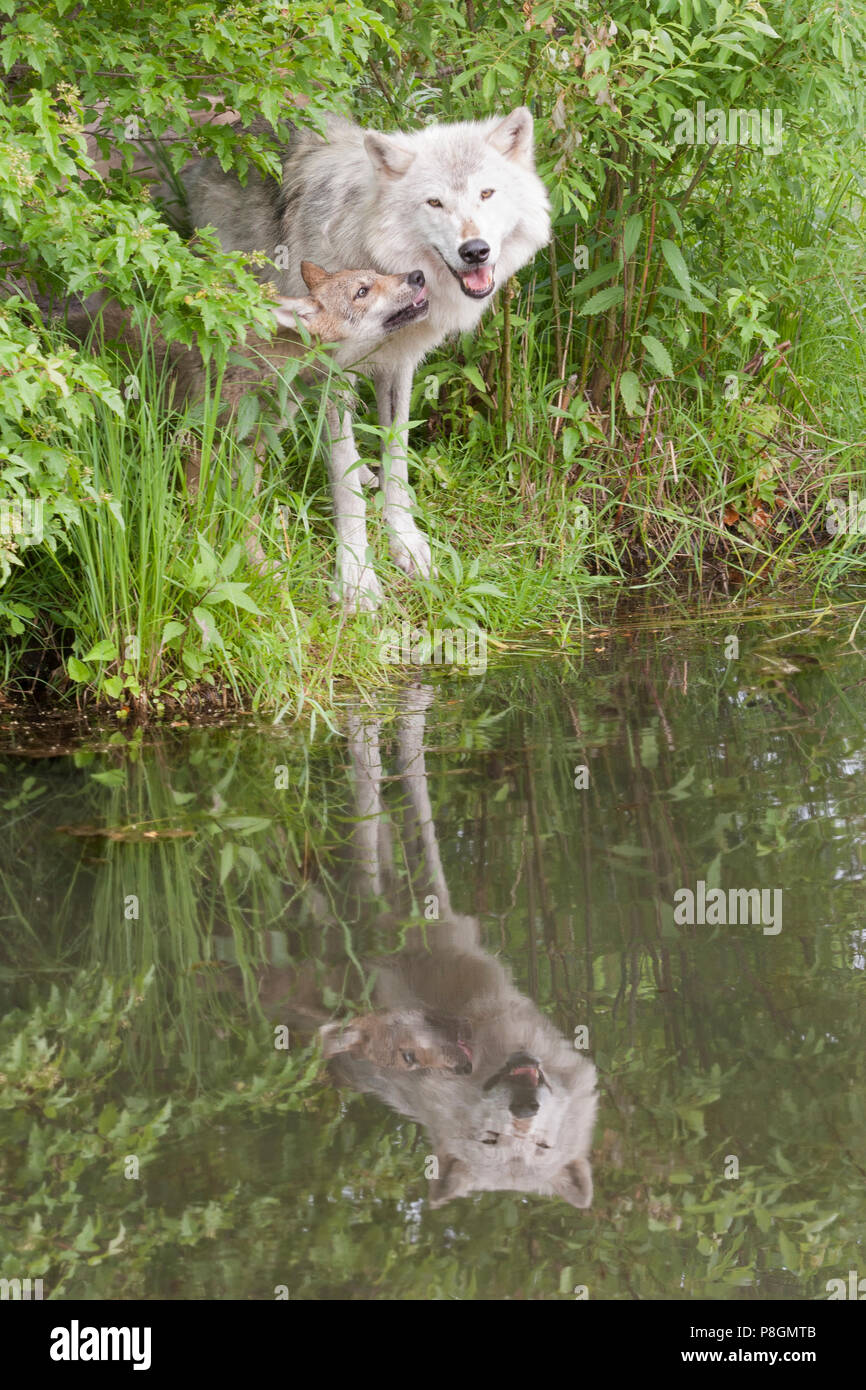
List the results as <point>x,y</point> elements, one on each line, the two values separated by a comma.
<point>480,279</point>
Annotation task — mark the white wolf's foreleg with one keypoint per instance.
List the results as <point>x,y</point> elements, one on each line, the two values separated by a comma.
<point>355,583</point>
<point>410,548</point>
<point>454,931</point>
<point>366,764</point>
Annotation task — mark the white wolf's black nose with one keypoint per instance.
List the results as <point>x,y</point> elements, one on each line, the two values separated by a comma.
<point>474,252</point>
<point>415,278</point>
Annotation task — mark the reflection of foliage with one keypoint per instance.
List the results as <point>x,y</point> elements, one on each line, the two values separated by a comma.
<point>71,1128</point>
<point>330,1206</point>
<point>710,1042</point>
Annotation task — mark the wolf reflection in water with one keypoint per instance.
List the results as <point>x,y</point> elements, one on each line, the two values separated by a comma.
<point>521,1117</point>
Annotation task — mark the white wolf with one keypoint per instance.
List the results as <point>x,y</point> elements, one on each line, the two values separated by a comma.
<point>462,202</point>
<point>522,1119</point>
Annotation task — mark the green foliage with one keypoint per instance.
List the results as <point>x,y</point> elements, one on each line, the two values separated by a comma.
<point>698,237</point>
<point>86,82</point>
<point>705,273</point>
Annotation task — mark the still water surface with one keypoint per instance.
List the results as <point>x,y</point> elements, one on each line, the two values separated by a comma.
<point>331,1014</point>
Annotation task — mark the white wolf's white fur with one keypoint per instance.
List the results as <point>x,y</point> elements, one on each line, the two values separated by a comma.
<point>364,199</point>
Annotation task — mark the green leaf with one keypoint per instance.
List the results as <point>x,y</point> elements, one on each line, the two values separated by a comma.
<point>605,299</point>
<point>171,630</point>
<point>598,276</point>
<point>246,824</point>
<point>106,650</point>
<point>789,1252</point>
<point>77,670</point>
<point>571,441</point>
<point>473,374</point>
<point>676,262</point>
<point>485,587</point>
<point>658,354</point>
<point>630,391</point>
<point>207,627</point>
<point>248,412</point>
<point>114,777</point>
<point>233,591</point>
<point>631,235</point>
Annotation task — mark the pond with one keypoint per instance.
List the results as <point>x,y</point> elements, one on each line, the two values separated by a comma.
<point>326,1014</point>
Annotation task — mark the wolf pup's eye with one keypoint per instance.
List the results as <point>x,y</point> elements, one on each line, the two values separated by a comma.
<point>359,294</point>
<point>409,1058</point>
<point>433,203</point>
<point>487,192</point>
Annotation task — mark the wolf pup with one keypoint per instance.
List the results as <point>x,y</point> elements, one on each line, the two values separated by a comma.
<point>461,201</point>
<point>402,1040</point>
<point>354,310</point>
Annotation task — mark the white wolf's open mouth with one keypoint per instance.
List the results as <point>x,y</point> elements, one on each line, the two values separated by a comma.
<point>532,1074</point>
<point>522,1070</point>
<point>477,283</point>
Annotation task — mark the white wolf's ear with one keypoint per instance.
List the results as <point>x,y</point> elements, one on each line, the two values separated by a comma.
<point>288,311</point>
<point>513,136</point>
<point>386,156</point>
<point>313,275</point>
<point>339,1037</point>
<point>574,1183</point>
<point>454,1180</point>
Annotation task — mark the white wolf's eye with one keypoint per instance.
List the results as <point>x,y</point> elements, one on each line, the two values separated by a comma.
<point>361,292</point>
<point>433,203</point>
<point>487,192</point>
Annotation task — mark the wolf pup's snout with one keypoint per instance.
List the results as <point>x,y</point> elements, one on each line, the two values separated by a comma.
<point>415,278</point>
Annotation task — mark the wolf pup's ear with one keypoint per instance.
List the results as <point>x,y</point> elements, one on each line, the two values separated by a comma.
<point>513,136</point>
<point>313,275</point>
<point>454,1180</point>
<point>338,1038</point>
<point>287,312</point>
<point>386,156</point>
<point>574,1183</point>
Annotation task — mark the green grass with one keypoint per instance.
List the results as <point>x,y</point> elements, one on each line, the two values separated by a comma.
<point>541,512</point>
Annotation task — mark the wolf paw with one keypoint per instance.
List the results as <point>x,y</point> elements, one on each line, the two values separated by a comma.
<point>410,551</point>
<point>356,587</point>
